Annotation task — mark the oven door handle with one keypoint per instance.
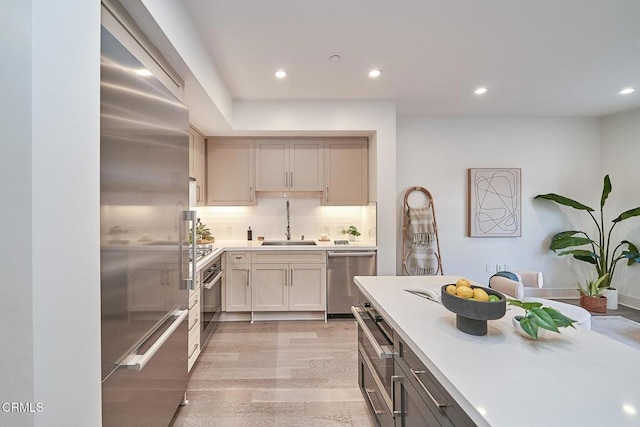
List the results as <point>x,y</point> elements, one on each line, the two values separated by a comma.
<point>383,351</point>
<point>208,285</point>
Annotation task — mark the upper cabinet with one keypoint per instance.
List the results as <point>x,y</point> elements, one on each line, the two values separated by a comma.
<point>230,171</point>
<point>197,167</point>
<point>335,169</point>
<point>346,172</point>
<point>289,165</point>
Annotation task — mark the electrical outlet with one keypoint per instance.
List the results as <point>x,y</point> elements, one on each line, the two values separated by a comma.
<point>229,231</point>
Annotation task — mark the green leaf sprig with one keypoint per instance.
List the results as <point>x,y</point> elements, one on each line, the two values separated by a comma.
<point>536,316</point>
<point>351,230</point>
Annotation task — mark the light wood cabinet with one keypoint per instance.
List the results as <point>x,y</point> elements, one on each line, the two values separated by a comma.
<point>193,347</point>
<point>346,172</point>
<point>289,281</point>
<point>197,162</point>
<point>192,154</point>
<point>237,281</point>
<point>154,289</point>
<point>230,171</point>
<point>271,287</point>
<point>307,288</point>
<point>289,165</point>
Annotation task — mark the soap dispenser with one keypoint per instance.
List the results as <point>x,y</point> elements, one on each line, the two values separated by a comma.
<point>249,234</point>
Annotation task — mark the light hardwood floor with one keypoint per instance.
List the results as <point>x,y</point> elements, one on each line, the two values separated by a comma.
<point>277,374</point>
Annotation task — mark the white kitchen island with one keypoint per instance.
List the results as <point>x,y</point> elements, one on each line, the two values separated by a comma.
<point>576,378</point>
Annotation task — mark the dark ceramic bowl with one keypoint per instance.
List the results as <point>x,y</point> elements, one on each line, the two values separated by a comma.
<point>472,315</point>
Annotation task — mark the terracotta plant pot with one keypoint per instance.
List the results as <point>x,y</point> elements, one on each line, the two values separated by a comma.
<point>594,304</point>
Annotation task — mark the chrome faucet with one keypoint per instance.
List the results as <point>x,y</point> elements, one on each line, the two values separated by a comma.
<point>288,233</point>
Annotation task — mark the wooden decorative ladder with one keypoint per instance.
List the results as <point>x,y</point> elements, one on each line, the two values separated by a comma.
<point>410,251</point>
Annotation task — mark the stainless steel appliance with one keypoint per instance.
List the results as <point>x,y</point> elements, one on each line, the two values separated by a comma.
<point>342,266</point>
<point>211,294</point>
<point>144,260</point>
<point>375,360</point>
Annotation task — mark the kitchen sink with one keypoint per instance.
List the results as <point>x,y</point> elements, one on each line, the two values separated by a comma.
<point>289,243</point>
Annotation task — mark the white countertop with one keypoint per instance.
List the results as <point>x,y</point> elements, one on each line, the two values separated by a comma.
<point>576,378</point>
<point>221,246</point>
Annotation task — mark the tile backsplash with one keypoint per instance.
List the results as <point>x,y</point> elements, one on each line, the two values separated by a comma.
<point>268,218</point>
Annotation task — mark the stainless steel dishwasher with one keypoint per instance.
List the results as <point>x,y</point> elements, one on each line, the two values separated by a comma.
<point>342,266</point>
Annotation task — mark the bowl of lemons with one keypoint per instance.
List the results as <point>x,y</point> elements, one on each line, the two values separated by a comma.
<point>473,305</point>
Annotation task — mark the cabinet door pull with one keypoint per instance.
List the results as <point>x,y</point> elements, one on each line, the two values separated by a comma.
<point>286,179</point>
<point>291,278</point>
<point>435,401</point>
<point>376,411</point>
<point>247,277</point>
<point>195,347</point>
<point>198,193</point>
<point>195,322</point>
<point>291,178</point>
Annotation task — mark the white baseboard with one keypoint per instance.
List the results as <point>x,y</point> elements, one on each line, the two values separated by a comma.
<point>549,293</point>
<point>288,315</point>
<point>552,293</point>
<point>245,316</point>
<point>628,301</point>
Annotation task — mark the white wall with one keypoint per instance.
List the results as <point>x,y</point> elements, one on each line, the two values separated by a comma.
<point>555,155</point>
<point>620,143</point>
<point>345,116</point>
<point>268,218</point>
<point>65,218</point>
<point>16,283</point>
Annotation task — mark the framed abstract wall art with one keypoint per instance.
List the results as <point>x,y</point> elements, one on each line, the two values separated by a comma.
<point>495,202</point>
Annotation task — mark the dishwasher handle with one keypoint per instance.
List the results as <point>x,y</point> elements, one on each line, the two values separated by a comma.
<point>331,254</point>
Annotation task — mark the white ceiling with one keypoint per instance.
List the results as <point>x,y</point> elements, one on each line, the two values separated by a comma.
<point>537,57</point>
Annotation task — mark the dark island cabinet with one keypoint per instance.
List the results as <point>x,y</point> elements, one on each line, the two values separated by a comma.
<point>419,400</point>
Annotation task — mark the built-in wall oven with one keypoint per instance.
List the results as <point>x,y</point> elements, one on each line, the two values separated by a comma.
<point>375,360</point>
<point>211,296</point>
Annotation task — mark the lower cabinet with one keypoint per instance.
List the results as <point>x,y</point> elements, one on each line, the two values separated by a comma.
<point>237,281</point>
<point>418,398</point>
<point>156,288</point>
<point>289,287</point>
<point>373,395</point>
<point>277,281</point>
<point>193,347</point>
<point>289,281</point>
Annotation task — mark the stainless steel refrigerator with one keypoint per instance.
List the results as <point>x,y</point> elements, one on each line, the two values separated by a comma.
<point>144,148</point>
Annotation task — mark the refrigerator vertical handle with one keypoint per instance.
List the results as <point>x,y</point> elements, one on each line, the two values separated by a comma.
<point>191,216</point>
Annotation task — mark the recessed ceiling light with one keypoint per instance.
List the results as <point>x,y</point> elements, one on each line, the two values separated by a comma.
<point>627,91</point>
<point>375,73</point>
<point>480,91</point>
<point>281,74</point>
<point>335,58</point>
<point>143,72</point>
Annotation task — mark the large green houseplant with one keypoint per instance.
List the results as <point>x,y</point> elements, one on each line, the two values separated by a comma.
<point>597,251</point>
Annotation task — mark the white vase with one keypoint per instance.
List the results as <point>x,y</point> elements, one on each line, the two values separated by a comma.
<point>518,328</point>
<point>612,298</point>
